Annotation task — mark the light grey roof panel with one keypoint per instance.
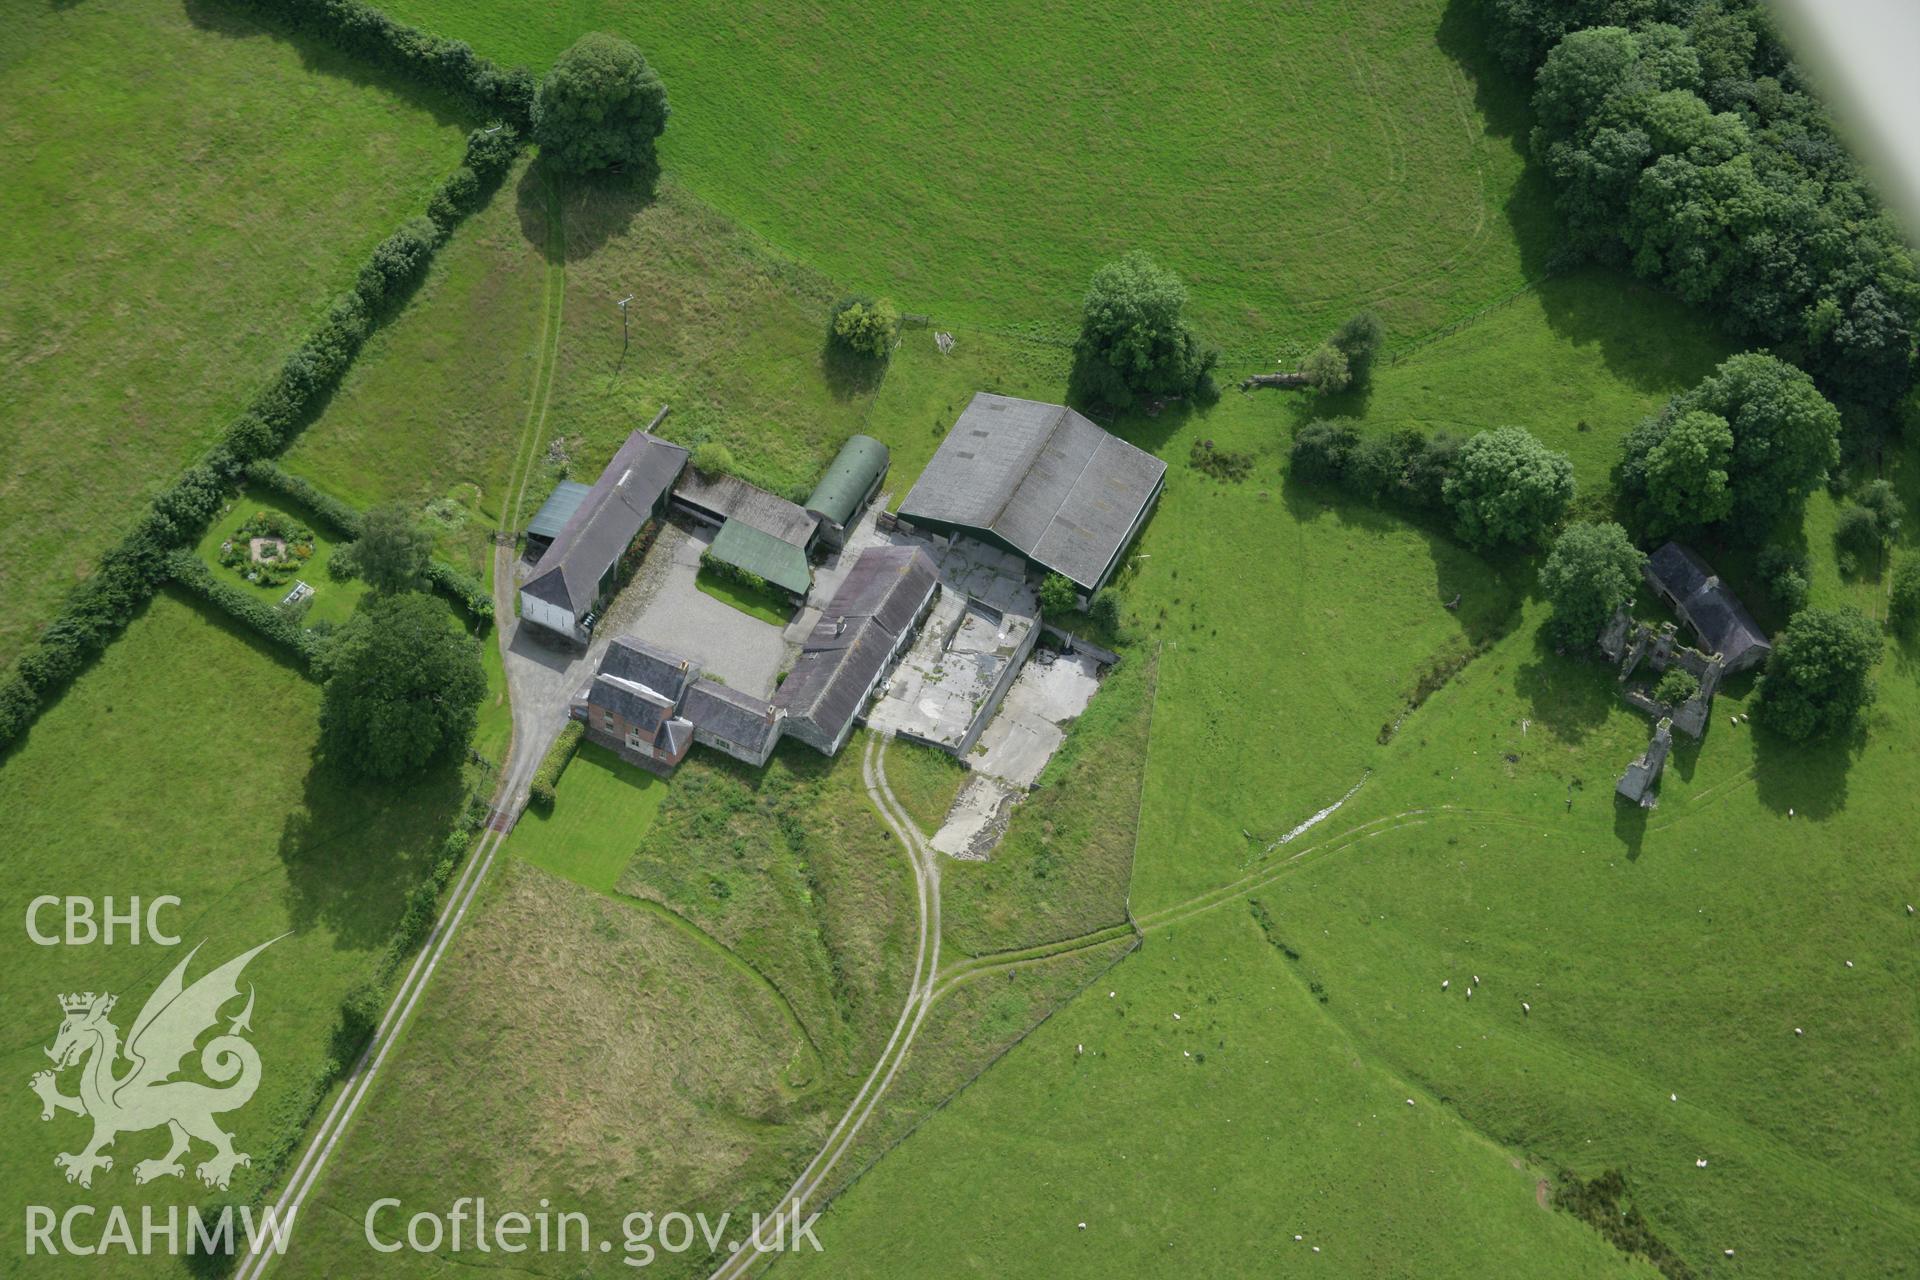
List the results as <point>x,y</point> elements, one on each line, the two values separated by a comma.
<point>732,498</point>
<point>1041,477</point>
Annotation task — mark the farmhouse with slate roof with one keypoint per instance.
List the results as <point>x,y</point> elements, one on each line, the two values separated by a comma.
<point>868,623</point>
<point>650,705</point>
<point>575,577</point>
<point>1039,480</point>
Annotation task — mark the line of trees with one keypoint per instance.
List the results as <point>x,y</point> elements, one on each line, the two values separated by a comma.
<point>1683,143</point>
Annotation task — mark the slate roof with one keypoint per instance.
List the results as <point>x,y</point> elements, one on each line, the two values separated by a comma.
<point>559,507</point>
<point>850,644</point>
<point>858,466</point>
<point>633,702</point>
<point>1709,606</point>
<point>887,584</point>
<point>760,553</point>
<point>661,670</point>
<point>829,686</point>
<point>728,713</point>
<point>621,500</point>
<point>732,498</point>
<point>1042,478</point>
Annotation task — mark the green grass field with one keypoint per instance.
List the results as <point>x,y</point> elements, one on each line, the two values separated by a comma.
<point>182,764</point>
<point>174,236</point>
<point>678,983</point>
<point>610,807</point>
<point>979,161</point>
<point>432,411</point>
<point>668,991</point>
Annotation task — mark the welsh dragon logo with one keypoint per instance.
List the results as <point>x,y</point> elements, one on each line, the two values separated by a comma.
<point>147,1094</point>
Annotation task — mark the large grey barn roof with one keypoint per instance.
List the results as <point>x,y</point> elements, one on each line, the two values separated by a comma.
<point>607,519</point>
<point>1042,478</point>
<point>827,686</point>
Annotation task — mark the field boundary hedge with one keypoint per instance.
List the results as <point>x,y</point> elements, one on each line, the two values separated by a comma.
<point>192,573</point>
<point>130,573</point>
<point>558,756</point>
<point>449,66</point>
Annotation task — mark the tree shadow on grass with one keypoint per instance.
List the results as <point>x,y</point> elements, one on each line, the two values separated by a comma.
<point>353,849</point>
<point>323,58</point>
<point>592,209</point>
<point>1806,779</point>
<point>1568,694</point>
<point>848,374</point>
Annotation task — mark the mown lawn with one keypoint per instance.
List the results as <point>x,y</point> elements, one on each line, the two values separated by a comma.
<point>767,604</point>
<point>169,238</point>
<point>979,160</point>
<point>609,807</point>
<point>182,763</point>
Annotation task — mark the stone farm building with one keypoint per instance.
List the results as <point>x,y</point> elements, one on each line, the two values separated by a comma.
<point>1041,481</point>
<point>867,625</point>
<point>650,706</point>
<point>1709,606</point>
<point>759,532</point>
<point>576,574</point>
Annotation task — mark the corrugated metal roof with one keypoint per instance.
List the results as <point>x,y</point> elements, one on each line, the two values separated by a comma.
<point>1043,478</point>
<point>605,522</point>
<point>559,507</point>
<point>858,466</point>
<point>760,553</point>
<point>732,498</point>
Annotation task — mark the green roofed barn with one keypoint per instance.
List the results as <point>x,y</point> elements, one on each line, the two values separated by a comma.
<point>782,564</point>
<point>848,486</point>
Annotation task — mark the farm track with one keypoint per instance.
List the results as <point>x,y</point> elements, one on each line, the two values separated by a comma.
<point>926,964</point>
<point>508,799</point>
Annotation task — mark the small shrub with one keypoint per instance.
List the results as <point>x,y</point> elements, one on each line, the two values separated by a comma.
<point>1221,464</point>
<point>359,1019</point>
<point>1058,595</point>
<point>1783,572</point>
<point>863,327</point>
<point>1903,602</point>
<point>1676,686</point>
<point>712,459</point>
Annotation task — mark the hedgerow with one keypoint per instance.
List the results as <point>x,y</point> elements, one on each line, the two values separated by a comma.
<point>128,575</point>
<point>448,66</point>
<point>541,794</point>
<point>282,629</point>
